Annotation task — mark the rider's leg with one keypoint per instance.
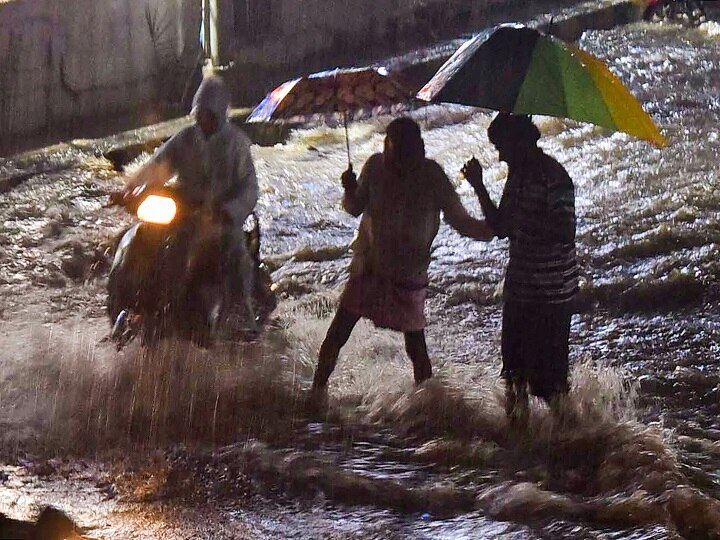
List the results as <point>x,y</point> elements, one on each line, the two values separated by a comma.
<point>241,271</point>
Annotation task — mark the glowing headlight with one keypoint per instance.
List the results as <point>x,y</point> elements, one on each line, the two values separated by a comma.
<point>157,209</point>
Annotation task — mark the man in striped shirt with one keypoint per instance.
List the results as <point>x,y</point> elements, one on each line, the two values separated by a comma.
<point>537,214</point>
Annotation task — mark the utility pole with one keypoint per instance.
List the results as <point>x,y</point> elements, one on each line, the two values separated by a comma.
<point>210,31</point>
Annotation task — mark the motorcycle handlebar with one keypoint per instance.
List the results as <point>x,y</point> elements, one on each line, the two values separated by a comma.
<point>130,199</point>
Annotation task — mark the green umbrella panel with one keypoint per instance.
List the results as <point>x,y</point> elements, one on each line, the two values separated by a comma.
<point>522,71</point>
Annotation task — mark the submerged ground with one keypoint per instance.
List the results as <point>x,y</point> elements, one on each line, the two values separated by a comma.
<point>216,444</point>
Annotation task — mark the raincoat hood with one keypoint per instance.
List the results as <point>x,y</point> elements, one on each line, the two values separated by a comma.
<point>212,95</point>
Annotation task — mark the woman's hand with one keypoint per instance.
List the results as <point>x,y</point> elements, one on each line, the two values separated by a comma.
<point>473,172</point>
<point>349,178</point>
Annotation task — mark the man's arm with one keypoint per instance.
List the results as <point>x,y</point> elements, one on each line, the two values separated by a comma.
<point>455,213</point>
<point>493,215</point>
<point>244,192</point>
<point>560,225</point>
<point>158,169</point>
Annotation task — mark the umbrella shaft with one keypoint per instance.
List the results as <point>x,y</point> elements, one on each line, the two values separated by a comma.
<point>347,139</point>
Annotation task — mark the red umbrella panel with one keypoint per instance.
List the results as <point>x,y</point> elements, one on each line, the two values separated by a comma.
<point>346,92</point>
<point>338,91</point>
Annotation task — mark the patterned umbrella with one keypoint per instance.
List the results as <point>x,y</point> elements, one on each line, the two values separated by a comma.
<point>520,70</point>
<point>346,92</point>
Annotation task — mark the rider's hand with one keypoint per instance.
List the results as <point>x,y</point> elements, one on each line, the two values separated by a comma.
<point>473,172</point>
<point>349,178</point>
<point>116,198</point>
<point>124,196</point>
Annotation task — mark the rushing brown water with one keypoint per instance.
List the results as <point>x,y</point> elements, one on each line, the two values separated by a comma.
<point>226,432</point>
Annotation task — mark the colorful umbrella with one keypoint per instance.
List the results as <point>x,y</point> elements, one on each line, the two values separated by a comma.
<point>346,92</point>
<point>522,71</point>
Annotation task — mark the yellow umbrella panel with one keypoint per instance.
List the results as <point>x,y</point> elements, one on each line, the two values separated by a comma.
<point>522,71</point>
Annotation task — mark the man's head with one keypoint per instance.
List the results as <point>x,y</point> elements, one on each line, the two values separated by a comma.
<point>513,135</point>
<point>211,104</point>
<point>404,147</point>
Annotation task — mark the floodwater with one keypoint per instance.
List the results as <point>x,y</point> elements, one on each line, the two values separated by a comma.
<point>216,444</point>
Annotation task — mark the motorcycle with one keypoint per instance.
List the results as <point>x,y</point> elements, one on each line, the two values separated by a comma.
<point>170,273</point>
<point>692,11</point>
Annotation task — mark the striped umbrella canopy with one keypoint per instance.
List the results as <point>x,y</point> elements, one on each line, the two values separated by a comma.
<point>347,92</point>
<point>520,70</point>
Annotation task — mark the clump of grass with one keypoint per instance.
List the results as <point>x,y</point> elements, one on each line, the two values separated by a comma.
<point>666,239</point>
<point>675,291</point>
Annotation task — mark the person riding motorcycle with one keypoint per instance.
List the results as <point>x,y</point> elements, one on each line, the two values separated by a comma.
<point>215,170</point>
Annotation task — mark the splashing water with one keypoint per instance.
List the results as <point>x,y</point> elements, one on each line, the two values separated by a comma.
<point>635,457</point>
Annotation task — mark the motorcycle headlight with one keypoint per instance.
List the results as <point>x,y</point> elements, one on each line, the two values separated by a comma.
<point>157,209</point>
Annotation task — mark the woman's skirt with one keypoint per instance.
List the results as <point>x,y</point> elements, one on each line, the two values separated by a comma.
<point>388,304</point>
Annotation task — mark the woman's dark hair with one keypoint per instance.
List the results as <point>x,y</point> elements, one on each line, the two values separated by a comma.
<point>514,129</point>
<point>408,146</point>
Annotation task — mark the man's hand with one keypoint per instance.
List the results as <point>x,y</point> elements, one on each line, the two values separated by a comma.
<point>349,179</point>
<point>473,172</point>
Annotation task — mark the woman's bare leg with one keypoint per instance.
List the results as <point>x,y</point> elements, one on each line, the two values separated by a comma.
<point>337,336</point>
<point>416,349</point>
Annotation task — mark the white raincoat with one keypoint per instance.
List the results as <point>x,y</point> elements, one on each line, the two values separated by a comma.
<point>216,170</point>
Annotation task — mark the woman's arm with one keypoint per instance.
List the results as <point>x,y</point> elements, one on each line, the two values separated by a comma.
<point>357,192</point>
<point>454,212</point>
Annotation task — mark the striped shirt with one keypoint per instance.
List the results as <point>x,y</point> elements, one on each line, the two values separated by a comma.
<point>537,213</point>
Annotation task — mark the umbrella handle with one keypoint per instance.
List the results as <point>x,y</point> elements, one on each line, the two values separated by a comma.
<point>347,140</point>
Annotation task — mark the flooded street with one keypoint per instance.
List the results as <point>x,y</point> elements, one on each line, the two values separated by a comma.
<point>187,443</point>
